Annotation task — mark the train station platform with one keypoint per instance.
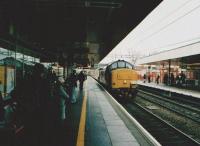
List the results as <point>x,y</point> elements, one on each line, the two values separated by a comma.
<point>186,92</point>
<point>96,119</point>
<point>105,123</point>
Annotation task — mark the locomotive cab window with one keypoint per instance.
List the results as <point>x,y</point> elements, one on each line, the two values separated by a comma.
<point>113,66</point>
<point>129,66</point>
<point>121,64</point>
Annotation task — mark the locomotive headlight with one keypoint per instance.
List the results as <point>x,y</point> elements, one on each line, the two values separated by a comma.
<point>133,82</point>
<point>125,81</point>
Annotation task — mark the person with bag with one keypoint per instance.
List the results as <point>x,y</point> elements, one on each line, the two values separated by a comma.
<point>71,82</point>
<point>81,78</point>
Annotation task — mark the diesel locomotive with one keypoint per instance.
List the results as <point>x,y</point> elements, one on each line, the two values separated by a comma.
<point>119,77</point>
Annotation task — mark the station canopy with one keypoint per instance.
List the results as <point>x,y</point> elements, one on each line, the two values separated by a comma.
<point>188,51</point>
<point>172,25</point>
<point>68,29</point>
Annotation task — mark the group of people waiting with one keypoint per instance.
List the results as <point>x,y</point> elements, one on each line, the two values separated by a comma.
<point>71,84</point>
<point>168,79</point>
<point>179,80</point>
<point>41,99</point>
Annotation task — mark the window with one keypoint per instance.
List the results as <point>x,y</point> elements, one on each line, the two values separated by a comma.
<point>13,66</point>
<point>129,66</point>
<point>121,64</point>
<point>114,65</point>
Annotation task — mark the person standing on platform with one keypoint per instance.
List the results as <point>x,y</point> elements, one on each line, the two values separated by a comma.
<point>60,100</point>
<point>81,78</point>
<point>172,79</point>
<point>183,77</point>
<point>149,78</point>
<point>32,96</point>
<point>72,82</point>
<point>144,78</point>
<point>157,79</point>
<point>165,79</point>
<point>1,108</point>
<point>178,80</point>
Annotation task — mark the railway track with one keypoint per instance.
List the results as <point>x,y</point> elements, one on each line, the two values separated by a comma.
<point>166,134</point>
<point>182,99</point>
<point>184,109</point>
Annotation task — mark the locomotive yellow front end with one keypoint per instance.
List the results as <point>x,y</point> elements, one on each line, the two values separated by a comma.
<point>124,80</point>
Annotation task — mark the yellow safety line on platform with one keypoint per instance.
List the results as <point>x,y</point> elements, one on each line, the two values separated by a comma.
<point>81,131</point>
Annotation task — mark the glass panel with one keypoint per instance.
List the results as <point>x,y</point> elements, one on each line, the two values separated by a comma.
<point>121,64</point>
<point>114,65</point>
<point>7,71</point>
<point>129,66</point>
<point>13,67</point>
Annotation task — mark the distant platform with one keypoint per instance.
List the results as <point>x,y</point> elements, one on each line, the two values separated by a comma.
<point>164,87</point>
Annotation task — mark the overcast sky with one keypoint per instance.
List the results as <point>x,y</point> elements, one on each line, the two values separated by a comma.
<point>172,24</point>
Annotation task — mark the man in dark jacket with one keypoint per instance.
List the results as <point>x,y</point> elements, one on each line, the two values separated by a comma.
<point>81,78</point>
<point>32,97</point>
<point>71,81</point>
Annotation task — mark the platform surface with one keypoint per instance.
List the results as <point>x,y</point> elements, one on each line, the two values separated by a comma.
<point>104,127</point>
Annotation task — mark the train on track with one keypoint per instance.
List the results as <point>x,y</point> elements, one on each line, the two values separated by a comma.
<point>119,77</point>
